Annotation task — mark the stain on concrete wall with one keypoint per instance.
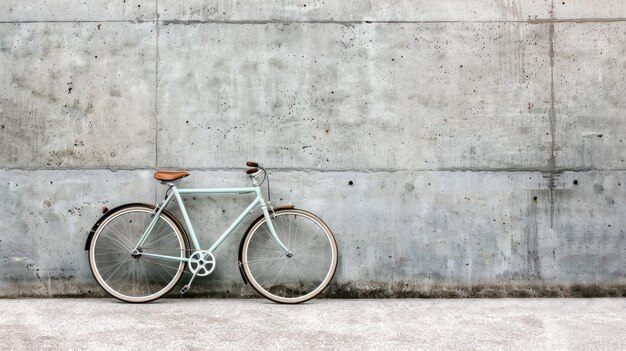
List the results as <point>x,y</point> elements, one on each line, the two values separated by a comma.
<point>456,149</point>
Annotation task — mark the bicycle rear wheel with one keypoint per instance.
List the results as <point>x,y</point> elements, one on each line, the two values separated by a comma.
<point>137,278</point>
<point>283,278</point>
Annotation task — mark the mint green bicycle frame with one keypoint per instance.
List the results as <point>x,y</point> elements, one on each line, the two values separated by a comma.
<point>176,193</point>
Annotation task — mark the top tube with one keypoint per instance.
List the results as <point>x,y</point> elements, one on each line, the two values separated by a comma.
<point>218,191</point>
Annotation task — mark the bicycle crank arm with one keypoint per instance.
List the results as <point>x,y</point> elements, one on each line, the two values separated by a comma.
<point>188,286</point>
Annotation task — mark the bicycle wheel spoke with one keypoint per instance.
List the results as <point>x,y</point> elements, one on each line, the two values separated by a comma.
<point>309,255</point>
<point>156,233</point>
<point>305,245</point>
<point>108,253</point>
<point>160,264</point>
<point>268,270</point>
<point>296,230</point>
<point>152,243</point>
<point>271,250</point>
<point>125,280</point>
<point>289,240</point>
<point>270,239</point>
<point>148,275</point>
<point>118,268</point>
<point>118,244</point>
<point>112,260</point>
<point>264,243</point>
<point>120,236</point>
<point>309,263</point>
<point>278,274</point>
<point>117,263</point>
<point>297,279</point>
<point>264,260</point>
<point>120,239</point>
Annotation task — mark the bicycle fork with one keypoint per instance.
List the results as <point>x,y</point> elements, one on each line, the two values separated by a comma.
<point>268,220</point>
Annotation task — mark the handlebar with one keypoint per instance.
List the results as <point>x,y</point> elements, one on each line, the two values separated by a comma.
<point>254,166</point>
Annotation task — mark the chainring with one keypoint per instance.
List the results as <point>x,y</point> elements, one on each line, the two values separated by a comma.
<point>201,263</point>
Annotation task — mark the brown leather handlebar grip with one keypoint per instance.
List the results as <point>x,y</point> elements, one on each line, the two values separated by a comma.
<point>252,164</point>
<point>252,170</point>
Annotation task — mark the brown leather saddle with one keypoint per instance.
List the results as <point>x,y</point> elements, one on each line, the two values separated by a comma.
<point>170,176</point>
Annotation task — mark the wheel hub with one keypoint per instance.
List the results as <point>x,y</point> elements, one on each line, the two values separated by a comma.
<point>136,254</point>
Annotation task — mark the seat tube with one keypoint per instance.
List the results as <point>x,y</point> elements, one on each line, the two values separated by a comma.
<point>268,220</point>
<point>183,210</point>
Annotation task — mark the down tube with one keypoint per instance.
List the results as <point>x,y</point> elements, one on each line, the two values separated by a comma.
<point>243,215</point>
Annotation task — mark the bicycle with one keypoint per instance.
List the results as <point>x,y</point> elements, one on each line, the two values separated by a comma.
<point>138,252</point>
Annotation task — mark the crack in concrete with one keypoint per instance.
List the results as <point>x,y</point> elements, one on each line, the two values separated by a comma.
<point>156,98</point>
<point>552,117</point>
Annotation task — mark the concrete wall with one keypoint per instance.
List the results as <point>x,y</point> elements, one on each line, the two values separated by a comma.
<point>456,148</point>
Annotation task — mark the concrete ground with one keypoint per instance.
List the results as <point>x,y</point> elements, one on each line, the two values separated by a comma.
<point>182,324</point>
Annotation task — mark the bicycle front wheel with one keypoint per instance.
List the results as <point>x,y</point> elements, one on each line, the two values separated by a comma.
<point>293,278</point>
<point>137,277</point>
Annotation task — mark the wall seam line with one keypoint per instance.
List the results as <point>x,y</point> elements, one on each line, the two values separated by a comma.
<point>286,22</point>
<point>327,170</point>
<point>156,96</point>
<point>156,90</point>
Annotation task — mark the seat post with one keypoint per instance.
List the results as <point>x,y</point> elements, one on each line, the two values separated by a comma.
<point>163,203</point>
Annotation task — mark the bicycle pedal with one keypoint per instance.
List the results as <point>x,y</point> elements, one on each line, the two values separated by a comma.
<point>184,289</point>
